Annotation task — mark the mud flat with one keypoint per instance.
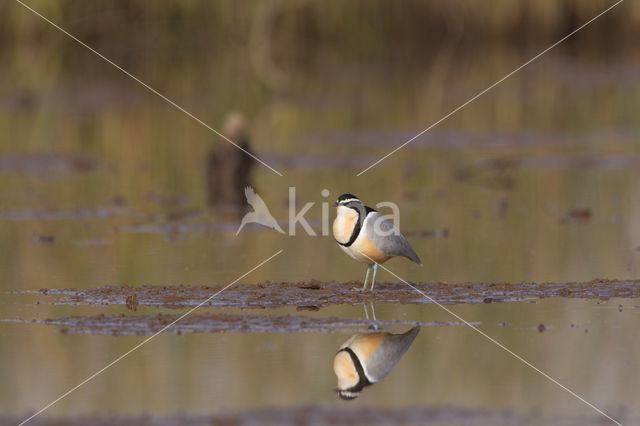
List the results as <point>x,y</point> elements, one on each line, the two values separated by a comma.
<point>326,414</point>
<point>121,325</point>
<point>313,295</point>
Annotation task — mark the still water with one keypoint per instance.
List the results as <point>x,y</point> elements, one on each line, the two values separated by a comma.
<point>536,181</point>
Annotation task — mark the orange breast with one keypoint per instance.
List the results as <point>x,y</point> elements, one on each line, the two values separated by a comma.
<point>343,227</point>
<point>365,248</point>
<point>345,370</point>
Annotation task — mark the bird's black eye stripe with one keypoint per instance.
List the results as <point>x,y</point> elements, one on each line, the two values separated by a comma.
<point>348,201</point>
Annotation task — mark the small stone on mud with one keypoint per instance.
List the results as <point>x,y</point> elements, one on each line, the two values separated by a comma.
<point>310,286</point>
<point>132,302</point>
<point>119,200</point>
<point>44,239</point>
<point>541,327</point>
<point>308,308</point>
<point>564,292</point>
<point>501,207</point>
<point>576,215</point>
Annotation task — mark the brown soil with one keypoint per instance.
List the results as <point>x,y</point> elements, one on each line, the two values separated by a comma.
<point>313,295</point>
<point>120,325</point>
<point>328,414</point>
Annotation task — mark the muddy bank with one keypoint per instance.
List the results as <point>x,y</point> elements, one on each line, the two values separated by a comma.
<point>121,325</point>
<point>329,414</point>
<point>79,213</point>
<point>315,294</point>
<point>47,163</point>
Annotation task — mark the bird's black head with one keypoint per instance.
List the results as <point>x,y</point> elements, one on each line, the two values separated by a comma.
<point>345,199</point>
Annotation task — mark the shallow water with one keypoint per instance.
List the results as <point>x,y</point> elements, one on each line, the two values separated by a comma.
<point>536,182</point>
<point>446,366</point>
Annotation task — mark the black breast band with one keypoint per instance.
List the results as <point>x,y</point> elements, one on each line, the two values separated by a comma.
<point>363,381</point>
<point>358,226</point>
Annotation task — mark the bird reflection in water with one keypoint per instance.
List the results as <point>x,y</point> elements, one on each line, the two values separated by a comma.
<point>367,358</point>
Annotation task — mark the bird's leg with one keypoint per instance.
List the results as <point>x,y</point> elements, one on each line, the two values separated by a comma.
<point>373,281</point>
<point>373,312</point>
<point>366,313</point>
<point>373,319</point>
<point>366,277</point>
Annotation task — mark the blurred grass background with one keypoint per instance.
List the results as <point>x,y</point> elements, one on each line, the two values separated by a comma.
<point>327,88</point>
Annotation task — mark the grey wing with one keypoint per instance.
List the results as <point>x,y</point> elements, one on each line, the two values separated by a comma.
<point>387,238</point>
<point>388,353</point>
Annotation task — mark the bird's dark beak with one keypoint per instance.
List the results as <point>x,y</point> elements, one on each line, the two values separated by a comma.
<point>335,204</point>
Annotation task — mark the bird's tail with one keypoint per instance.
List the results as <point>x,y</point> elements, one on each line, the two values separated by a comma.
<point>413,256</point>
